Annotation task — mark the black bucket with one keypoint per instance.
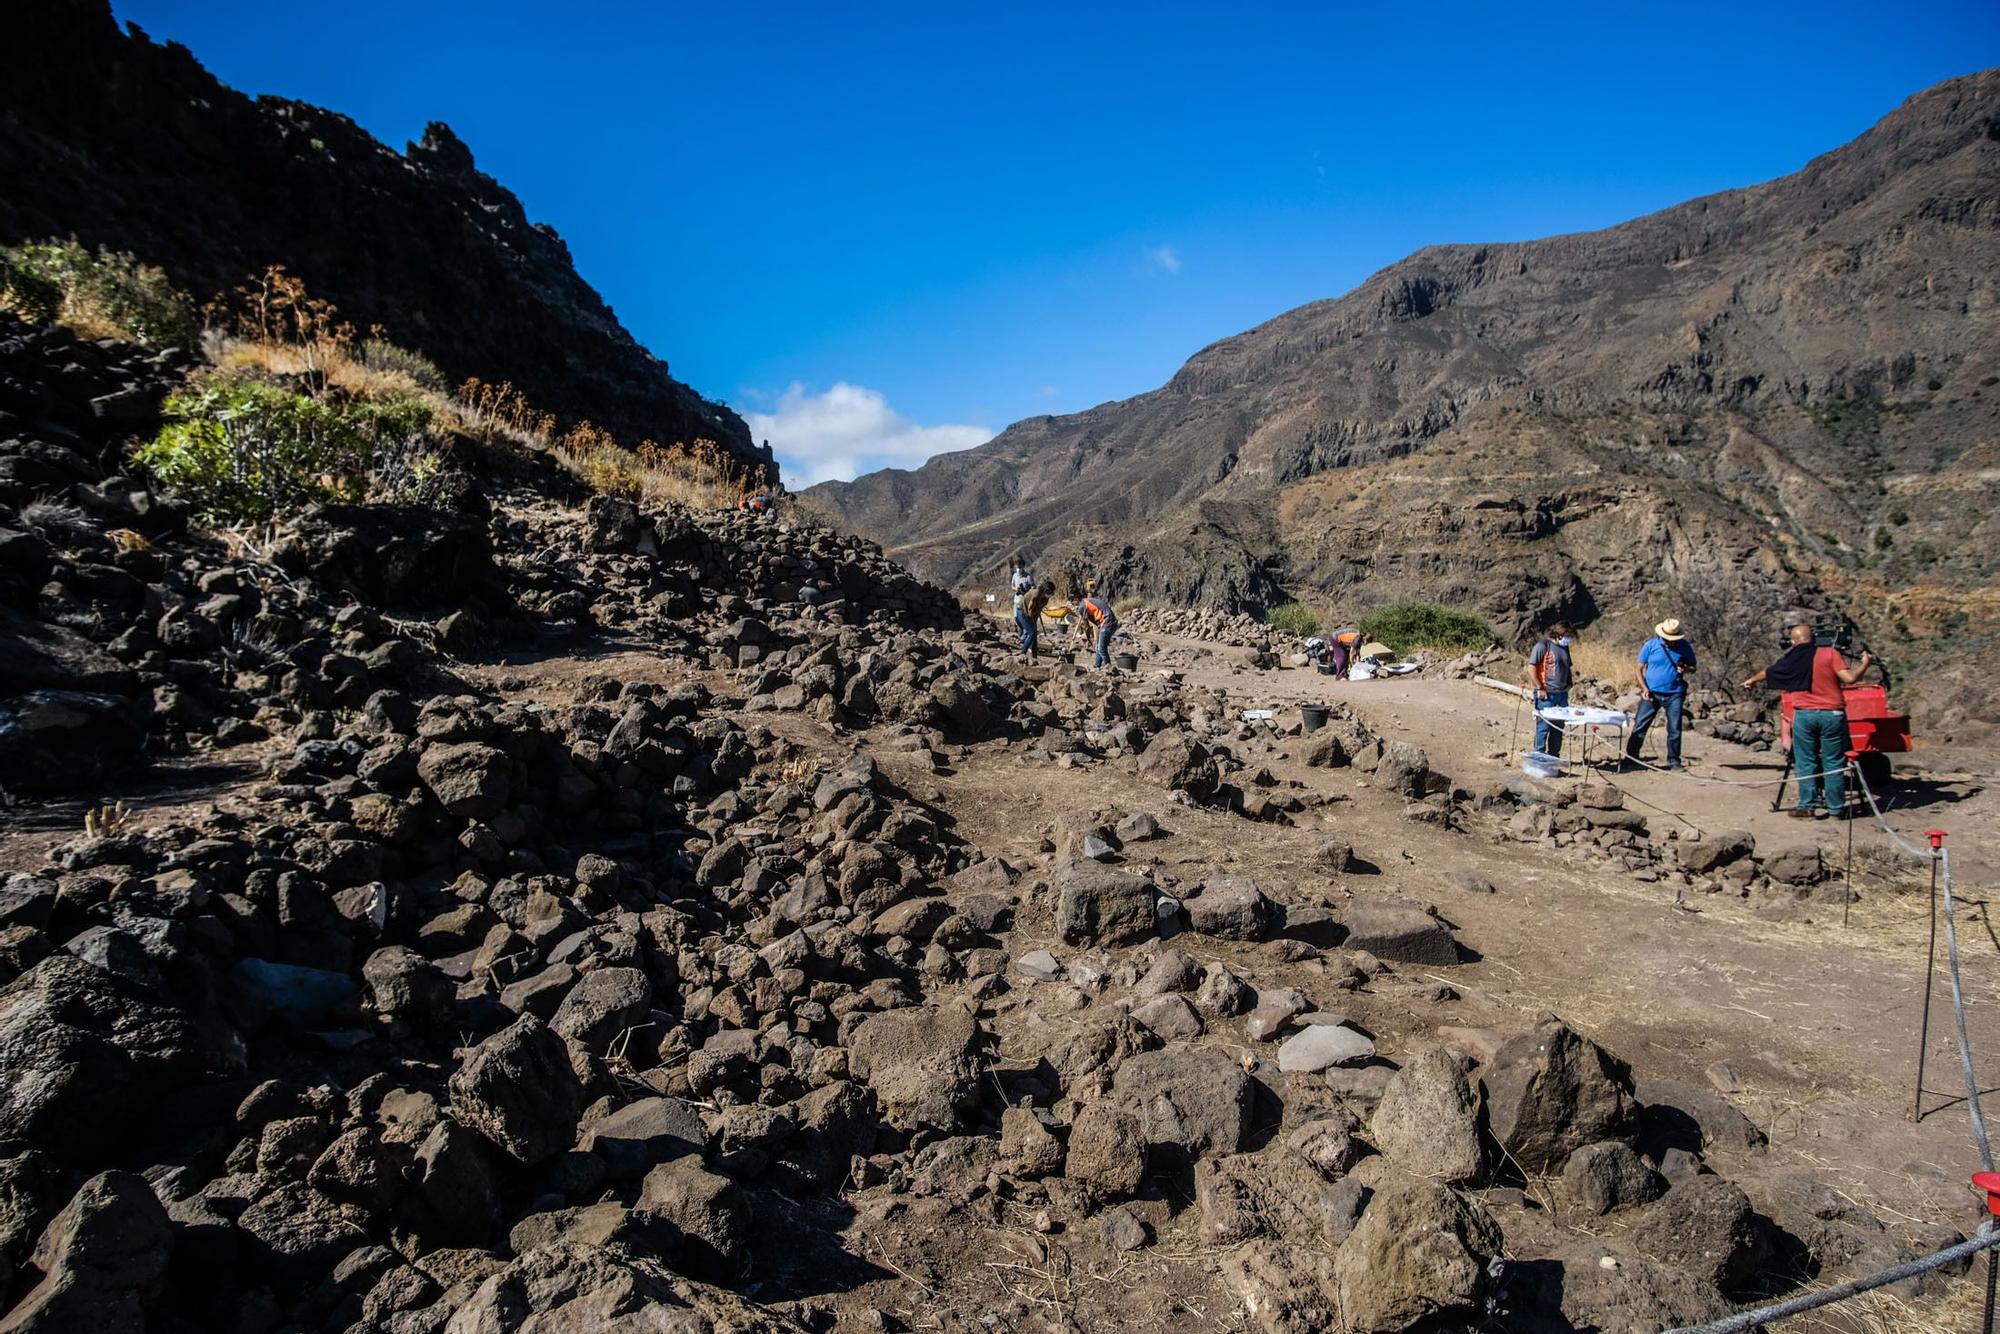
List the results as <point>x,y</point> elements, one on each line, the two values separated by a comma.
<point>1313,716</point>
<point>1325,668</point>
<point>1127,662</point>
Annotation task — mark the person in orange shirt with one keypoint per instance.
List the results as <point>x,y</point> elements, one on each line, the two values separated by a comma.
<point>1811,676</point>
<point>1340,650</point>
<point>1095,614</point>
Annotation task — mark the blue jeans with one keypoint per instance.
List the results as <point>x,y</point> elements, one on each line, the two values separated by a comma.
<point>1548,735</point>
<point>1819,746</point>
<point>1104,642</point>
<point>1651,707</point>
<point>1030,633</point>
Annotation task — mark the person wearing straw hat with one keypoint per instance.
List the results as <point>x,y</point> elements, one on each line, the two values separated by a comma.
<point>1665,663</point>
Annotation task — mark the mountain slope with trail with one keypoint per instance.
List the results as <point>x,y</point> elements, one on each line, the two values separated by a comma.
<point>1785,392</point>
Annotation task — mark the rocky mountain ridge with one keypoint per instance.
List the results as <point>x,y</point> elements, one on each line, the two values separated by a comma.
<point>1785,391</point>
<point>122,142</point>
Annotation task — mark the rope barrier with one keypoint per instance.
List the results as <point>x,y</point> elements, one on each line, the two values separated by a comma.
<point>1629,795</point>
<point>1728,782</point>
<point>1876,809</point>
<point>1958,1005</point>
<point>1985,1239</point>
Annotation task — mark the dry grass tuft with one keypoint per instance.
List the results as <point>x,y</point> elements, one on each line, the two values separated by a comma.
<point>331,364</point>
<point>107,821</point>
<point>274,330</point>
<point>485,410</point>
<point>799,769</point>
<point>1883,1312</point>
<point>1616,665</point>
<point>701,476</point>
<point>811,507</point>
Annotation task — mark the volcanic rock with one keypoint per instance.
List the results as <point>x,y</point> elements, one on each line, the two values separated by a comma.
<point>517,1088</point>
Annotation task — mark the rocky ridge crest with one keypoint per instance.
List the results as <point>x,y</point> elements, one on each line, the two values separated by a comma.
<point>130,144</point>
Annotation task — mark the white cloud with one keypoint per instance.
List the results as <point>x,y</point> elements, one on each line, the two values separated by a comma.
<point>1166,257</point>
<point>848,430</point>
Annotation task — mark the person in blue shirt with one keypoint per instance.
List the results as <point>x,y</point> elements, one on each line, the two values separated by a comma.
<point>1665,663</point>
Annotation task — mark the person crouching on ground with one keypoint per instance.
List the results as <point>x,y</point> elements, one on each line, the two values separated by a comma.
<point>1094,614</point>
<point>1665,663</point>
<point>1549,671</point>
<point>1341,651</point>
<point>1029,615</point>
<point>1811,676</point>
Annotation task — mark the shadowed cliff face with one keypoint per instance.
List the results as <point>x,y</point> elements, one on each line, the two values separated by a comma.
<point>122,142</point>
<point>1789,386</point>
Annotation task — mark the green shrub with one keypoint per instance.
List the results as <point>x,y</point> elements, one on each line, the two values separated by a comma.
<point>243,450</point>
<point>1294,618</point>
<point>379,354</point>
<point>390,419</point>
<point>105,295</point>
<point>1407,626</point>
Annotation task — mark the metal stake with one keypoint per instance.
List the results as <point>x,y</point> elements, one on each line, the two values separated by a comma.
<point>1992,1276</point>
<point>1847,880</point>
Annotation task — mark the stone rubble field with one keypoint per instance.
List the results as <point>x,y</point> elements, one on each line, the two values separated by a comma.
<point>512,992</point>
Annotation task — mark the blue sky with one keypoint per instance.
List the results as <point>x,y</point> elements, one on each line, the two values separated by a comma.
<point>883,230</point>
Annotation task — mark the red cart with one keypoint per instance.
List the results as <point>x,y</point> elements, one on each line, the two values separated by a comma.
<point>1874,733</point>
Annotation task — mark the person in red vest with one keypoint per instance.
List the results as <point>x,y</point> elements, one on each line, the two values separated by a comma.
<point>1811,676</point>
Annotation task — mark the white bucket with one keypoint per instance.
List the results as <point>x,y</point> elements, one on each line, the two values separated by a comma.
<point>1536,764</point>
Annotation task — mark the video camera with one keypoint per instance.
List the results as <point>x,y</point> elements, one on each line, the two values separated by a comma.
<point>1839,635</point>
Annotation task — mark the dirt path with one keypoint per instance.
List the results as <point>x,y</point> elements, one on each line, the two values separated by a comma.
<point>182,787</point>
<point>1819,1020</point>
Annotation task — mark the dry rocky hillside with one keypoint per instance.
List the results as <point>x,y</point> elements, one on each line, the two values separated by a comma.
<point>535,912</point>
<point>1783,394</point>
<point>129,144</point>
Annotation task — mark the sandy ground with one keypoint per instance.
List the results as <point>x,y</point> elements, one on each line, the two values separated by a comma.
<point>1819,1019</point>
